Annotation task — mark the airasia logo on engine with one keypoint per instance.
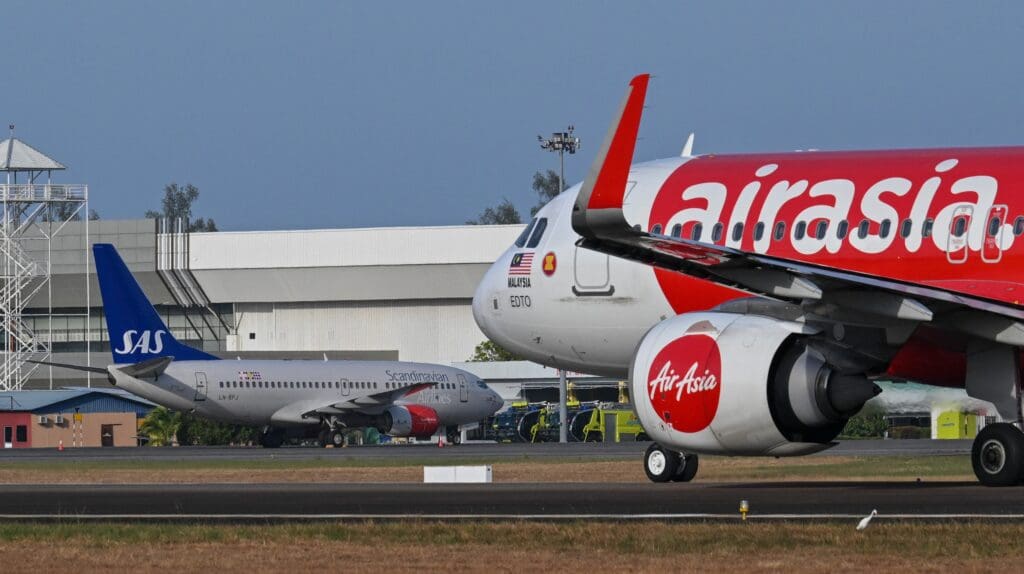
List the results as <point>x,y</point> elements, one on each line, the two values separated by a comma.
<point>685,382</point>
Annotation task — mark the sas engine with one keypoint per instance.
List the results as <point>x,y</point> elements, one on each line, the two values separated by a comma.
<point>409,420</point>
<point>724,383</point>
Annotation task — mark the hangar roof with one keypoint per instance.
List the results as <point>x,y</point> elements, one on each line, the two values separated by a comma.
<point>37,400</point>
<point>16,155</point>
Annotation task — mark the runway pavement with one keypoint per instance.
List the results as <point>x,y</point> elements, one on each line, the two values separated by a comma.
<point>248,502</point>
<point>495,452</point>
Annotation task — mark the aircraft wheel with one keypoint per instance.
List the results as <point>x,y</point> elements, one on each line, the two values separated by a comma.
<point>998,455</point>
<point>336,437</point>
<point>453,436</point>
<point>660,464</point>
<point>687,468</point>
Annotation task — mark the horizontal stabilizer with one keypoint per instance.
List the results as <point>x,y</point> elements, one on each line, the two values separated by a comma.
<point>72,367</point>
<point>149,368</point>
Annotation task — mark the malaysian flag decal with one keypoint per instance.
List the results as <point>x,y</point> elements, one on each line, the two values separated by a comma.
<point>521,263</point>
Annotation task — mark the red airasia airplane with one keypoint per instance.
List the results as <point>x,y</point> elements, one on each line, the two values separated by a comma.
<point>753,298</point>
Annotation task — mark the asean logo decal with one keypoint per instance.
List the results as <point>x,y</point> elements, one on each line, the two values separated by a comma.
<point>550,264</point>
<point>685,382</point>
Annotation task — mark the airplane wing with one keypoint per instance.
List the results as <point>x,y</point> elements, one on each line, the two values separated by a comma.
<point>302,411</point>
<point>598,218</point>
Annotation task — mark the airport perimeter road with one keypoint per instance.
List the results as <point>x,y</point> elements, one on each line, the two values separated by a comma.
<point>539,500</point>
<point>477,451</point>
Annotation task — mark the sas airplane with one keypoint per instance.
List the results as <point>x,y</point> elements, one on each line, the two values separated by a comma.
<point>284,397</point>
<point>752,299</point>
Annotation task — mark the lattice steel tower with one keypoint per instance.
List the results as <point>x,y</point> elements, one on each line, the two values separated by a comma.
<point>33,213</point>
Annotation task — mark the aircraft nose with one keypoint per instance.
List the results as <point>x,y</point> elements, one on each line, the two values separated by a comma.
<point>483,300</point>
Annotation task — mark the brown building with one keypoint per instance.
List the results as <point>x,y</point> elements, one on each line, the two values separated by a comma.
<point>72,417</point>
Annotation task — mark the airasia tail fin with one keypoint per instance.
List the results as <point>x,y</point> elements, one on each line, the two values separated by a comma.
<point>137,333</point>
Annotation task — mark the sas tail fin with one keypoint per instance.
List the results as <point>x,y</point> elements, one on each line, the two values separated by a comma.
<point>137,333</point>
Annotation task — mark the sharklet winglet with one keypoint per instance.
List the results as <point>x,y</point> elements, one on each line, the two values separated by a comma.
<point>599,203</point>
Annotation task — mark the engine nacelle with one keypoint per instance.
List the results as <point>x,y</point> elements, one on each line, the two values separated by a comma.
<point>410,420</point>
<point>724,383</point>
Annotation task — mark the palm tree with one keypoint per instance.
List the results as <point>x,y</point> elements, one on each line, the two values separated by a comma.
<point>161,426</point>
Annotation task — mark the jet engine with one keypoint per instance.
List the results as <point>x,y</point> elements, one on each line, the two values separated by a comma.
<point>725,383</point>
<point>409,420</point>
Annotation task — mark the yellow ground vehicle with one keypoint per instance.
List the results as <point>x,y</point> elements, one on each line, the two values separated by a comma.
<point>613,424</point>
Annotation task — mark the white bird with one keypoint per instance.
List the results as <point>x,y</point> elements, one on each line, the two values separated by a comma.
<point>866,520</point>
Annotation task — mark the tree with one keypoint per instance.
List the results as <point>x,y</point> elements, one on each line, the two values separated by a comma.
<point>866,424</point>
<point>64,212</point>
<point>503,213</point>
<point>161,425</point>
<point>177,203</point>
<point>196,430</point>
<point>546,185</point>
<point>491,351</point>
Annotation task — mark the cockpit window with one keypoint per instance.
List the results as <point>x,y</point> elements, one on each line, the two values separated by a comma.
<point>521,240</point>
<point>481,384</point>
<point>538,232</point>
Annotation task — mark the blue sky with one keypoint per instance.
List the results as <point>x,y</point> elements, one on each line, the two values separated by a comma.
<point>331,114</point>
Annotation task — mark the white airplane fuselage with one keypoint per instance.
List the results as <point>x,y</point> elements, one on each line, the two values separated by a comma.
<point>279,393</point>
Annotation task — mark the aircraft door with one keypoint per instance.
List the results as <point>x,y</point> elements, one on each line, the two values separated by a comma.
<point>200,386</point>
<point>992,248</point>
<point>591,273</point>
<point>345,387</point>
<point>959,226</point>
<point>463,389</point>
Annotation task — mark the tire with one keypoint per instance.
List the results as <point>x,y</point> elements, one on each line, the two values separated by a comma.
<point>336,438</point>
<point>322,437</point>
<point>660,464</point>
<point>453,436</point>
<point>688,464</point>
<point>998,455</point>
<point>595,436</point>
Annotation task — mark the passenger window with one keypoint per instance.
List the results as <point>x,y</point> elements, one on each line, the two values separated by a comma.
<point>780,230</point>
<point>862,230</point>
<point>799,229</point>
<point>960,227</point>
<point>716,232</point>
<point>697,230</point>
<point>821,229</point>
<point>885,228</point>
<point>926,229</point>
<point>677,230</point>
<point>221,384</point>
<point>521,240</point>
<point>375,385</point>
<point>759,231</point>
<point>993,226</point>
<point>737,231</point>
<point>538,232</point>
<point>656,229</point>
<point>1018,225</point>
<point>905,229</point>
<point>844,227</point>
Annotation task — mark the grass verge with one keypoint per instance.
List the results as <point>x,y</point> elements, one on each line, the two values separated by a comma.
<point>484,546</point>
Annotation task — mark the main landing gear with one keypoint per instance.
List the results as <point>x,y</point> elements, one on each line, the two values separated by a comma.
<point>664,465</point>
<point>332,436</point>
<point>998,455</point>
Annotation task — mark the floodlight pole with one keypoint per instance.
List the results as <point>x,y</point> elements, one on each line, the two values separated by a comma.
<point>561,142</point>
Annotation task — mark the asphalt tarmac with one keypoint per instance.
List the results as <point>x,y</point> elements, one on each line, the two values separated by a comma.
<point>249,502</point>
<point>476,451</point>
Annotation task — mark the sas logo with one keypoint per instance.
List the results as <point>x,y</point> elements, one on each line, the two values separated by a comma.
<point>684,382</point>
<point>147,342</point>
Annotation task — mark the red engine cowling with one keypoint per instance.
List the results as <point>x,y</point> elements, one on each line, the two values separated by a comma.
<point>725,383</point>
<point>410,420</point>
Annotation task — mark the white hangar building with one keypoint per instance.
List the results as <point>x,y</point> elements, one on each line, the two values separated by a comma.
<point>390,293</point>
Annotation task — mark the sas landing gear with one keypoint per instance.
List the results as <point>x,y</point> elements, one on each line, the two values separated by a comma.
<point>332,436</point>
<point>663,465</point>
<point>998,455</point>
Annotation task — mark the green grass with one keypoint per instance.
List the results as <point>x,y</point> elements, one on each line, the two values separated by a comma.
<point>922,540</point>
<point>846,467</point>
